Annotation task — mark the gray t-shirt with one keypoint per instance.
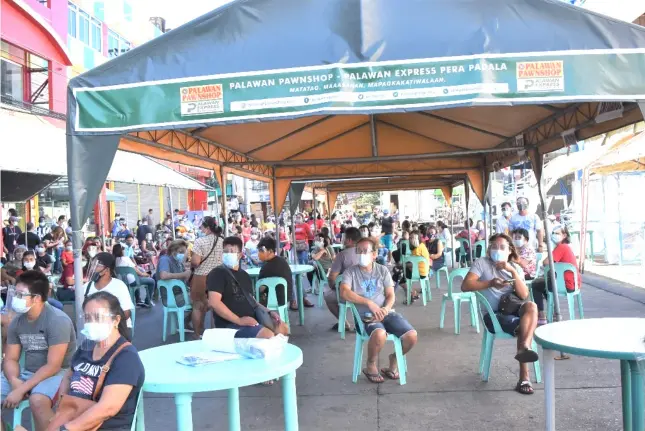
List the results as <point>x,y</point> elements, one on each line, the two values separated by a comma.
<point>530,222</point>
<point>51,328</point>
<point>344,260</point>
<point>369,285</point>
<point>485,269</point>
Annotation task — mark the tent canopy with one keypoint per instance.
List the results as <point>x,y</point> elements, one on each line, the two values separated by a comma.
<point>112,196</point>
<point>627,156</point>
<point>368,88</point>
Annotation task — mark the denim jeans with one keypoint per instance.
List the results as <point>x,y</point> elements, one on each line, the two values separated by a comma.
<point>149,284</point>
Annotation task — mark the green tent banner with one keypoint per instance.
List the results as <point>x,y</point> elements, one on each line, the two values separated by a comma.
<point>391,85</point>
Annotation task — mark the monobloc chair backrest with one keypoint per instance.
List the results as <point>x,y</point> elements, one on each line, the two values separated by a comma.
<point>454,274</point>
<point>407,250</point>
<point>480,249</point>
<point>539,263</point>
<point>339,280</point>
<point>415,261</point>
<point>489,310</point>
<point>463,243</point>
<point>360,326</point>
<point>272,284</point>
<point>124,271</point>
<point>319,271</point>
<point>167,294</point>
<point>560,269</point>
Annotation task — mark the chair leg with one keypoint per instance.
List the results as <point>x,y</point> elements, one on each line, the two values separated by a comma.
<point>17,414</point>
<point>400,359</point>
<point>442,315</point>
<point>482,352</point>
<point>342,319</point>
<point>424,292</point>
<point>489,356</point>
<point>165,324</point>
<point>437,277</point>
<point>536,364</point>
<point>408,292</point>
<point>180,323</point>
<point>358,358</point>
<point>457,311</point>
<point>580,309</point>
<point>428,287</point>
<point>473,313</point>
<point>572,307</point>
<point>321,290</point>
<point>549,307</point>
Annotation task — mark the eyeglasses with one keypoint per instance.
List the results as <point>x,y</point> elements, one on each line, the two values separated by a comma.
<point>364,251</point>
<point>262,249</point>
<point>21,295</point>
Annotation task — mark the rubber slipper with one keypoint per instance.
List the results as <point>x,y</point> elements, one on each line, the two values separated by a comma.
<point>373,378</point>
<point>524,387</point>
<point>527,356</point>
<point>308,303</point>
<point>386,372</point>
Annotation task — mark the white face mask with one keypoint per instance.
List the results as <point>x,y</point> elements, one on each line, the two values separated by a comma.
<point>91,251</point>
<point>19,305</point>
<point>556,238</point>
<point>319,244</point>
<point>230,259</point>
<point>254,237</point>
<point>30,265</point>
<point>40,249</point>
<point>506,212</point>
<point>69,248</point>
<point>364,259</point>
<point>97,331</point>
<point>518,242</point>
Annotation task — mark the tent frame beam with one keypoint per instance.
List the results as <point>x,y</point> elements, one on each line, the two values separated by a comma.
<point>421,135</point>
<point>301,152</point>
<point>307,177</point>
<point>464,125</point>
<point>290,134</point>
<point>373,136</point>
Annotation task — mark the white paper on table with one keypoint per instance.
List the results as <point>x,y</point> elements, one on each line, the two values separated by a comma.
<point>220,339</point>
<point>205,358</point>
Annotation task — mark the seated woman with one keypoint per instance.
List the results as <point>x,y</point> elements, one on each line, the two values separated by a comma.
<point>417,248</point>
<point>481,230</point>
<point>43,260</point>
<point>435,249</point>
<point>106,344</point>
<point>494,276</point>
<point>527,257</point>
<point>171,267</point>
<point>561,254</point>
<point>67,259</point>
<point>251,248</point>
<point>146,280</point>
<point>322,253</point>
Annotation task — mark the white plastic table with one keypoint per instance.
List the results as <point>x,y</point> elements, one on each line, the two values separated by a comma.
<point>165,375</point>
<point>611,338</point>
<point>298,271</point>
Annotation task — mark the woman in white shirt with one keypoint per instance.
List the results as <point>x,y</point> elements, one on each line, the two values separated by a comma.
<point>125,262</point>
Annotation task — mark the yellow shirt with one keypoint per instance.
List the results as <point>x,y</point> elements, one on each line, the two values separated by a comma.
<point>268,226</point>
<point>422,250</point>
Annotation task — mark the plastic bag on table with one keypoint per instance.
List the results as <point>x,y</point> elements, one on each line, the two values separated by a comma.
<point>261,348</point>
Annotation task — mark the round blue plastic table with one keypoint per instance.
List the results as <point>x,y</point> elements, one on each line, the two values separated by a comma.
<point>298,271</point>
<point>612,338</point>
<point>165,375</point>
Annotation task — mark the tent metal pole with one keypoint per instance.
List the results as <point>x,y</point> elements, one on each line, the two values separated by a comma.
<point>294,254</point>
<point>490,207</point>
<point>101,225</point>
<point>224,200</point>
<point>172,213</point>
<point>452,236</point>
<point>275,214</point>
<point>620,223</point>
<point>467,223</point>
<point>556,300</point>
<point>314,214</point>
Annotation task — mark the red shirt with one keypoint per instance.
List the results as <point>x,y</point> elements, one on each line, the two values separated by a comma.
<point>246,234</point>
<point>320,223</point>
<point>336,226</point>
<point>564,254</point>
<point>303,232</point>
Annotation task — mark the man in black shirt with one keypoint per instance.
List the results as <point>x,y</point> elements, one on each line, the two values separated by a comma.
<point>275,266</point>
<point>387,227</point>
<point>225,284</point>
<point>142,231</point>
<point>32,238</point>
<point>11,234</point>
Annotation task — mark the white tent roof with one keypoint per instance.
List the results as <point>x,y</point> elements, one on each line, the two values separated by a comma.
<point>35,144</point>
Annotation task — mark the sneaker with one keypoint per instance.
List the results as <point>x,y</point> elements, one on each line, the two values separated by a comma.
<point>141,304</point>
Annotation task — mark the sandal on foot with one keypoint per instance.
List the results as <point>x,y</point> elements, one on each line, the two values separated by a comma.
<point>541,322</point>
<point>527,356</point>
<point>373,378</point>
<point>293,306</point>
<point>392,375</point>
<point>524,387</point>
<point>308,303</point>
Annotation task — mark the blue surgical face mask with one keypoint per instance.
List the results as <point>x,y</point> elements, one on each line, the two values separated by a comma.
<point>180,257</point>
<point>19,305</point>
<point>499,255</point>
<point>230,259</point>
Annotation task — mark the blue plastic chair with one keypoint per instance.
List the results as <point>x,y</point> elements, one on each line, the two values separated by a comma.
<point>320,279</point>
<point>480,249</point>
<point>272,284</point>
<point>416,276</point>
<point>122,273</point>
<point>572,297</point>
<point>486,355</point>
<point>170,305</point>
<point>457,298</point>
<point>342,309</point>
<point>408,251</point>
<point>138,412</point>
<point>362,338</point>
<point>17,412</point>
<point>464,257</point>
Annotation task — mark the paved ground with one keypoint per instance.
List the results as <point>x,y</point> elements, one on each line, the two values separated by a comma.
<point>444,391</point>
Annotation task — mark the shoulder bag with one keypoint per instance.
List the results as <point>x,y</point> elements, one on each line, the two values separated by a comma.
<point>510,304</point>
<point>266,318</point>
<point>71,407</point>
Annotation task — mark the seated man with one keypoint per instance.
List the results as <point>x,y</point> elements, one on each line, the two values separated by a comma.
<point>343,260</point>
<point>225,286</point>
<point>46,337</point>
<point>275,266</point>
<point>498,274</point>
<point>369,286</point>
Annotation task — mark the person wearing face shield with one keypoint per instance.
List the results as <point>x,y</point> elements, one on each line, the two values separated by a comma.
<point>504,219</point>
<point>370,288</point>
<point>562,253</point>
<point>106,350</point>
<point>495,276</point>
<point>529,221</point>
<point>103,279</point>
<point>46,337</point>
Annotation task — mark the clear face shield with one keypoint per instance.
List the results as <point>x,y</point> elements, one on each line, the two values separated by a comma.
<point>99,324</point>
<point>95,270</point>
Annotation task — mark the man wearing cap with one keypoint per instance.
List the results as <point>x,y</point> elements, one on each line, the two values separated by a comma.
<point>104,279</point>
<point>10,235</point>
